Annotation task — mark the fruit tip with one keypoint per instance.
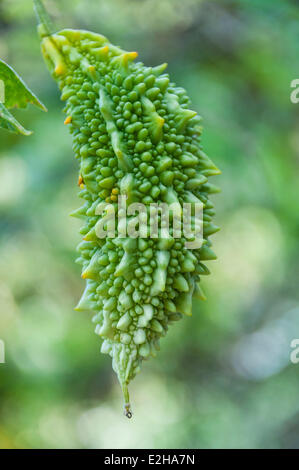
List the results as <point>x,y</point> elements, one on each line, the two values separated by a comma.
<point>128,411</point>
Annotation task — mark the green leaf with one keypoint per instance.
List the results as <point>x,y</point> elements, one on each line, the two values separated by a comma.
<point>7,121</point>
<point>16,92</point>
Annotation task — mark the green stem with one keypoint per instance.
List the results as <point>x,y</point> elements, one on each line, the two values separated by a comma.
<point>45,25</point>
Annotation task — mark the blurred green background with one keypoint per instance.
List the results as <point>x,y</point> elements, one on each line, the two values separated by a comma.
<point>223,378</point>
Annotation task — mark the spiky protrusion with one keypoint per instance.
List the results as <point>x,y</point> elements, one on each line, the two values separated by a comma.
<point>134,135</point>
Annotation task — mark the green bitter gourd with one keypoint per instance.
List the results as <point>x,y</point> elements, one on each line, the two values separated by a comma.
<point>133,134</point>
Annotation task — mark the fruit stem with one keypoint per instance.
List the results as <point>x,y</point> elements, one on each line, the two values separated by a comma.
<point>45,25</point>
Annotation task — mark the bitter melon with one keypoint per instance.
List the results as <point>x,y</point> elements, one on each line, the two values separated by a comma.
<point>133,135</point>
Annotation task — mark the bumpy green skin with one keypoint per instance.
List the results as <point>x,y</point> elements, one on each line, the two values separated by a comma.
<point>133,134</point>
